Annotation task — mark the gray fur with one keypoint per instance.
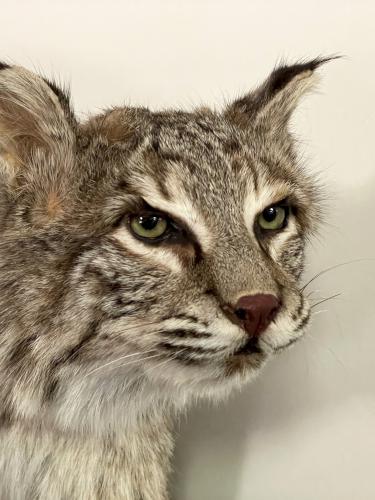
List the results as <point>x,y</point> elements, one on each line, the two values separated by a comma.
<point>104,340</point>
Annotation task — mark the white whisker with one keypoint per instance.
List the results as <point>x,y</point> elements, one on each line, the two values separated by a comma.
<point>326,299</point>
<point>319,312</point>
<point>170,358</point>
<point>138,360</point>
<point>118,359</point>
<point>331,268</point>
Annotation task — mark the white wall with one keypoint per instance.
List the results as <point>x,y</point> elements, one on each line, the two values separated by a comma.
<point>306,429</point>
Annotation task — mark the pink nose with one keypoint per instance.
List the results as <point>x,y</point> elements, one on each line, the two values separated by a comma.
<point>255,312</point>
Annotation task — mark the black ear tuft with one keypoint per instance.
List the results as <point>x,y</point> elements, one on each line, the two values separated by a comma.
<point>283,75</point>
<point>63,95</point>
<point>271,105</point>
<point>4,66</point>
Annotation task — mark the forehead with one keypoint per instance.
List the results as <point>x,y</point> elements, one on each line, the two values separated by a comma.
<point>204,158</point>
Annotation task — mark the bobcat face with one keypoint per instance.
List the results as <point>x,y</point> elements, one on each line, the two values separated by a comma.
<point>139,248</point>
<point>206,183</point>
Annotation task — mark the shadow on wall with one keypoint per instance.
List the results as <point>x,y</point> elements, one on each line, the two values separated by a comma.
<point>333,364</point>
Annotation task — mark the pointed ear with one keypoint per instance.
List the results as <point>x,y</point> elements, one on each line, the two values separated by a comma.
<point>34,114</point>
<point>270,106</point>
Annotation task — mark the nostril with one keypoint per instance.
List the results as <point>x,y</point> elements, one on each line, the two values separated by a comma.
<point>255,312</point>
<point>241,313</point>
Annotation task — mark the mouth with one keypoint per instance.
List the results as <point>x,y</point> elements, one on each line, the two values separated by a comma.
<point>251,347</point>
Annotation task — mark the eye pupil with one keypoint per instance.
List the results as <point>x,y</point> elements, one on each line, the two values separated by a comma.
<point>148,223</point>
<point>269,214</point>
<point>273,217</point>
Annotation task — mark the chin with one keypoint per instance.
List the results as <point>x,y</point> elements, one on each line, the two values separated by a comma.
<point>212,381</point>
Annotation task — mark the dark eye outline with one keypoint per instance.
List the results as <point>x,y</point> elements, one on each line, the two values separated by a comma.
<point>173,233</point>
<point>286,206</point>
<point>177,234</point>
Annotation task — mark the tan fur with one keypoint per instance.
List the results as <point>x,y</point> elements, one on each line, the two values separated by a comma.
<point>105,338</point>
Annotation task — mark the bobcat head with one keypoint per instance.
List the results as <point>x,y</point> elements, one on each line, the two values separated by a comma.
<point>144,253</point>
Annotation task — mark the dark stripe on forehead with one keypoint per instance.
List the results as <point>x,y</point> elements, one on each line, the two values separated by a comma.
<point>155,134</point>
<point>159,171</point>
<point>248,163</point>
<point>174,157</point>
<point>162,188</point>
<point>239,164</point>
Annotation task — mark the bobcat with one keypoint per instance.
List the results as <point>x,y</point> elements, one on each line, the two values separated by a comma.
<point>147,259</point>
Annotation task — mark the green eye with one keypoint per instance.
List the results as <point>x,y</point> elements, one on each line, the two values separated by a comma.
<point>148,226</point>
<point>273,217</point>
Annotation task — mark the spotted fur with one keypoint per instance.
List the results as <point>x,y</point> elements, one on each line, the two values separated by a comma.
<point>105,338</point>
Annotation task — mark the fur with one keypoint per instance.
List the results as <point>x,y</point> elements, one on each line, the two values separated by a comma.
<point>105,339</point>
